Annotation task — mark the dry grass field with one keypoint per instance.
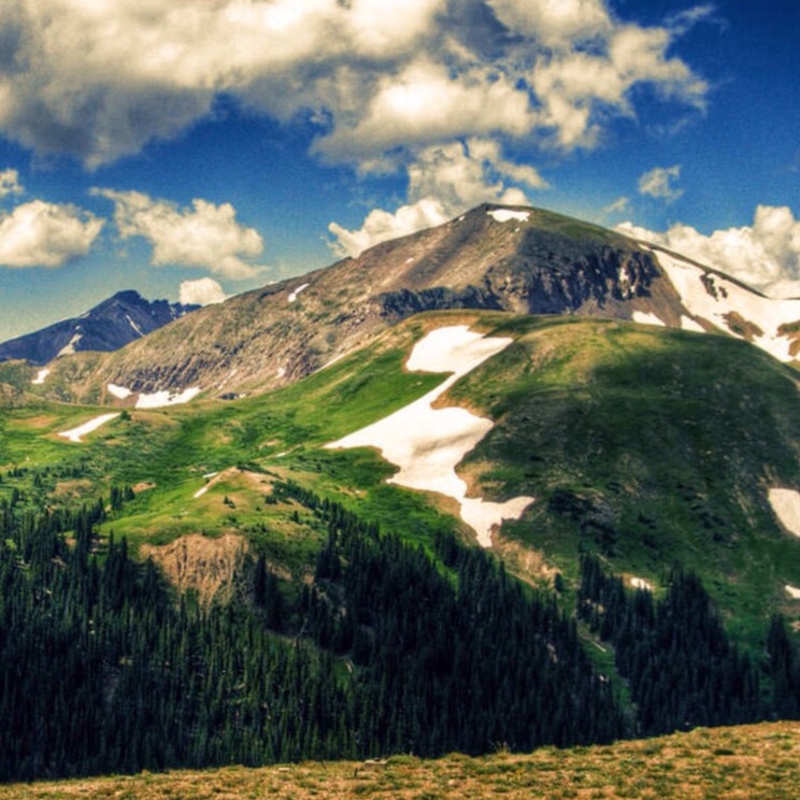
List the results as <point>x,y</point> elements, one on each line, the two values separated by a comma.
<point>756,761</point>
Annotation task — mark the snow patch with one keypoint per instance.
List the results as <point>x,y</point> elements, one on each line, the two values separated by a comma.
<point>792,591</point>
<point>120,392</point>
<point>293,295</point>
<point>641,583</point>
<point>507,214</point>
<point>166,398</point>
<point>75,434</point>
<point>200,492</point>
<point>136,329</point>
<point>688,324</point>
<point>41,375</point>
<point>712,297</point>
<point>646,318</point>
<point>69,348</point>
<point>786,505</point>
<point>427,443</point>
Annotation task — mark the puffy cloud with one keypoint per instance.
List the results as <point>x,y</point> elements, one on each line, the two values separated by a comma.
<point>443,181</point>
<point>9,182</point>
<point>202,292</point>
<point>205,235</point>
<point>660,182</point>
<point>764,255</point>
<point>40,234</point>
<point>98,80</point>
<point>380,226</point>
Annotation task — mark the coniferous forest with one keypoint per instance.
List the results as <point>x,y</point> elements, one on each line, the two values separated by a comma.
<point>391,648</point>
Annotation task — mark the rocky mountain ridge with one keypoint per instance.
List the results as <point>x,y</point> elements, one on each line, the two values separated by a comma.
<point>106,327</point>
<point>516,259</point>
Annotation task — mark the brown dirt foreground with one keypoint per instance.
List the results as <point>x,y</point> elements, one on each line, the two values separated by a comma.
<point>756,761</point>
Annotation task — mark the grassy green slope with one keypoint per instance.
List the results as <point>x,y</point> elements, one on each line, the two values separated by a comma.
<point>644,445</point>
<point>647,446</point>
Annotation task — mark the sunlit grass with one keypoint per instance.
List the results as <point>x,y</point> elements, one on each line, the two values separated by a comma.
<point>747,762</point>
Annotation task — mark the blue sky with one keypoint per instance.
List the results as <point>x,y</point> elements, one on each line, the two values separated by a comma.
<point>198,149</point>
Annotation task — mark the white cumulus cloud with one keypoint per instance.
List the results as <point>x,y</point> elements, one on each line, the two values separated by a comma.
<point>764,255</point>
<point>380,226</point>
<point>660,182</point>
<point>40,234</point>
<point>201,292</point>
<point>443,181</point>
<point>98,80</point>
<point>205,235</point>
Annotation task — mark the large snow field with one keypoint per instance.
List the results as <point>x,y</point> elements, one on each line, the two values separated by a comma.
<point>729,297</point>
<point>427,443</point>
<point>75,434</point>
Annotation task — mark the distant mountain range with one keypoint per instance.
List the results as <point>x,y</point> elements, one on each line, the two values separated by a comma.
<point>108,326</point>
<point>516,259</point>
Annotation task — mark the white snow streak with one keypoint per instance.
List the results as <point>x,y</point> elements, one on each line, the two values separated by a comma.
<point>75,434</point>
<point>41,375</point>
<point>428,443</point>
<point>166,398</point>
<point>136,329</point>
<point>293,295</point>
<point>688,324</point>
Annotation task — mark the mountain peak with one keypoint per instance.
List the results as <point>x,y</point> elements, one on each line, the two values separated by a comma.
<point>109,325</point>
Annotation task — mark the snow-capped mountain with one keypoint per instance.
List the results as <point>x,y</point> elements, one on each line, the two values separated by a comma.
<point>108,326</point>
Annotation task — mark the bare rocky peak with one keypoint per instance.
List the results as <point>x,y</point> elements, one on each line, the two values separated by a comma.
<point>516,259</point>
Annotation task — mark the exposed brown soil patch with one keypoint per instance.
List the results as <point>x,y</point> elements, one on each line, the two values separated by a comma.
<point>211,566</point>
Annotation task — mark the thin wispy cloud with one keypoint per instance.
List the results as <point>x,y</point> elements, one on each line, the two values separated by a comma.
<point>661,183</point>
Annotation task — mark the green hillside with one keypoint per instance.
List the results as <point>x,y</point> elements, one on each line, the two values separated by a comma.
<point>649,452</point>
<point>644,445</point>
